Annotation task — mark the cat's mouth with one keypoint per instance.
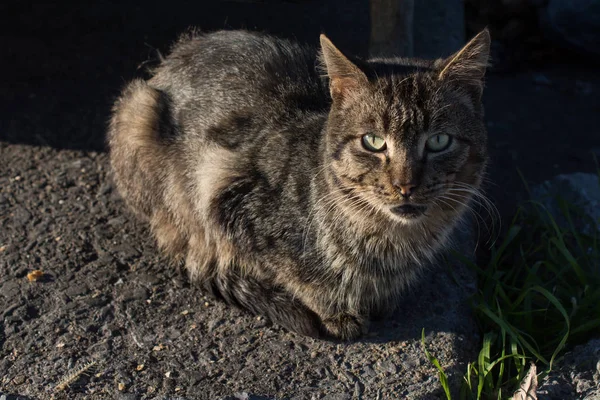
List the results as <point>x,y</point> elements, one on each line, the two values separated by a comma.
<point>409,210</point>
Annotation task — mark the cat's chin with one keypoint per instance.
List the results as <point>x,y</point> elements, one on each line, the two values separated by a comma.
<point>408,220</point>
<point>408,214</point>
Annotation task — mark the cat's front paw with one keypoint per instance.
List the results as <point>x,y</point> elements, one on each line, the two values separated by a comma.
<point>345,326</point>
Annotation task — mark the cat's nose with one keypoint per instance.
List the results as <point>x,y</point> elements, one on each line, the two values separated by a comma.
<point>406,189</point>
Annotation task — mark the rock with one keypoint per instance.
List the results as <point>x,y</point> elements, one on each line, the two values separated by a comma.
<point>10,289</point>
<point>21,215</point>
<point>77,290</point>
<point>126,396</point>
<point>387,367</point>
<point>579,189</point>
<point>573,24</point>
<point>576,376</point>
<point>4,396</point>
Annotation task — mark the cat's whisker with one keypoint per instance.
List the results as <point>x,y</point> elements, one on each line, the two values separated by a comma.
<point>475,214</point>
<point>478,198</point>
<point>491,207</point>
<point>466,201</point>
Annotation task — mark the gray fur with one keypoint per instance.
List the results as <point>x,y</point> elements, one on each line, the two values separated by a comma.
<point>249,167</point>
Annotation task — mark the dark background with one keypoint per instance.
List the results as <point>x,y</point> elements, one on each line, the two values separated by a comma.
<point>62,65</point>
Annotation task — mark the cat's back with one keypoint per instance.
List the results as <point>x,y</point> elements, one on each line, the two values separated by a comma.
<point>232,70</point>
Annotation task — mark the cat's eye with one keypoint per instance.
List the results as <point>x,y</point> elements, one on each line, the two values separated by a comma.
<point>373,142</point>
<point>439,142</point>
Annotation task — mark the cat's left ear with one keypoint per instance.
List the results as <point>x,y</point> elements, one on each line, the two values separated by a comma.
<point>468,65</point>
<point>345,78</point>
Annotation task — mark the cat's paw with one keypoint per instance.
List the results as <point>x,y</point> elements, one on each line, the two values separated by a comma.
<point>345,326</point>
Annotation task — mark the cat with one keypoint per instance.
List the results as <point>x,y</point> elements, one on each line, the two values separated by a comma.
<point>302,185</point>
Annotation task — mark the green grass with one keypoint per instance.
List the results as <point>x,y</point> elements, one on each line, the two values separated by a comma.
<point>538,295</point>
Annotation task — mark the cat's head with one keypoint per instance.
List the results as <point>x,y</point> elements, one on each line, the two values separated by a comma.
<point>406,137</point>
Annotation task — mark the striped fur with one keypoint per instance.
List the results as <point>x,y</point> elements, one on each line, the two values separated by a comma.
<point>246,159</point>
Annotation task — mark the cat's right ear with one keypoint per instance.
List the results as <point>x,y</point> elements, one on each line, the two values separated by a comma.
<point>345,78</point>
<point>469,64</point>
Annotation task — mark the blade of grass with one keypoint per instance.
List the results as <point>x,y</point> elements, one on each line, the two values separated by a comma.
<point>441,374</point>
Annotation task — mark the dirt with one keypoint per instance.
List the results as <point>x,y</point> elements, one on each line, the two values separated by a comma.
<point>111,319</point>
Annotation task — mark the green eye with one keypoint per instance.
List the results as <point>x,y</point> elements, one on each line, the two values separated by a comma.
<point>373,142</point>
<point>437,143</point>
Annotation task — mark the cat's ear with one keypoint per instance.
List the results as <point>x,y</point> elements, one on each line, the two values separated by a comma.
<point>344,77</point>
<point>468,65</point>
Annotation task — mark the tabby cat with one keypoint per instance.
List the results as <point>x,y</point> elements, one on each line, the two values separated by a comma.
<point>299,184</point>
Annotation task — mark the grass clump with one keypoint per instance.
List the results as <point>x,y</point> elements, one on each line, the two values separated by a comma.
<point>538,294</point>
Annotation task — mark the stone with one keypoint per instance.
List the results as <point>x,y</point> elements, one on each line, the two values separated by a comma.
<point>579,189</point>
<point>576,374</point>
<point>10,289</point>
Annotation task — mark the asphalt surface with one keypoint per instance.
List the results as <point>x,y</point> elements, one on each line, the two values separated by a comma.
<point>110,318</point>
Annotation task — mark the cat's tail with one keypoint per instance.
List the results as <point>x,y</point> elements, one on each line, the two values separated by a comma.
<point>137,152</point>
<point>142,157</point>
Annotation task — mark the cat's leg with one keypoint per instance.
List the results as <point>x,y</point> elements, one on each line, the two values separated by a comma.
<point>345,325</point>
<point>277,303</point>
<point>213,266</point>
<point>262,298</point>
<point>341,310</point>
<point>337,318</point>
<point>290,311</point>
